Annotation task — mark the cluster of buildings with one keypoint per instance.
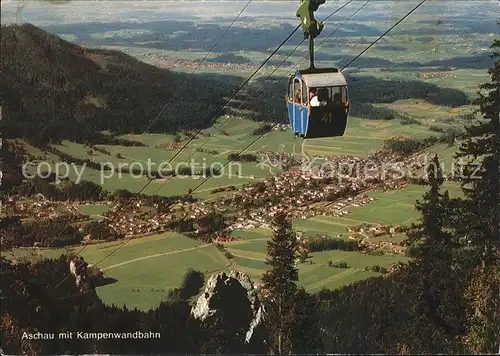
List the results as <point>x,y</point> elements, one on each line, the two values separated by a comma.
<point>39,208</point>
<point>426,75</point>
<point>305,193</point>
<point>130,223</point>
<point>388,246</point>
<point>301,193</point>
<point>184,63</point>
<point>281,127</point>
<point>377,230</point>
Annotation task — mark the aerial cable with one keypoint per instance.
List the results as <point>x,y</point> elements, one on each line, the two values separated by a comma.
<point>378,39</point>
<point>199,64</point>
<point>364,51</point>
<point>221,108</point>
<point>258,138</point>
<point>186,81</point>
<point>199,131</point>
<point>324,40</point>
<point>385,33</point>
<point>239,107</point>
<point>270,75</point>
<point>120,209</point>
<point>332,33</point>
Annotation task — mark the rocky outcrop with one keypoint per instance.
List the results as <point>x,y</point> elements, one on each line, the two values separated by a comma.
<point>253,297</point>
<point>230,299</point>
<point>78,268</point>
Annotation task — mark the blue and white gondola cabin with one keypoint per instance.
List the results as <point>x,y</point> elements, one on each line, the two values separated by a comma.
<point>318,103</point>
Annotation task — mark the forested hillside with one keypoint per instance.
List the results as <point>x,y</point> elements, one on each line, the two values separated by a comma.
<point>266,97</point>
<point>53,89</point>
<point>443,301</point>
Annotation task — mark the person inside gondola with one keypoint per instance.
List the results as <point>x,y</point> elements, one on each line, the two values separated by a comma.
<point>319,99</point>
<point>313,98</point>
<point>296,98</point>
<point>337,102</point>
<point>312,93</point>
<point>323,96</point>
<point>338,108</point>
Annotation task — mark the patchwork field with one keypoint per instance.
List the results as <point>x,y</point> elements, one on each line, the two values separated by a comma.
<point>421,109</point>
<point>213,145</point>
<point>466,80</point>
<point>146,268</point>
<point>396,207</point>
<point>94,209</point>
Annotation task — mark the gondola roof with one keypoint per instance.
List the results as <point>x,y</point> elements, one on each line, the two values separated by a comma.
<point>323,79</point>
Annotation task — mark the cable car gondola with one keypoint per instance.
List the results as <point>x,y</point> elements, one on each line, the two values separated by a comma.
<point>317,99</point>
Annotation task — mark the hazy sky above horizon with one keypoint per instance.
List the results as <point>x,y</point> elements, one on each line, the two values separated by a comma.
<point>43,13</point>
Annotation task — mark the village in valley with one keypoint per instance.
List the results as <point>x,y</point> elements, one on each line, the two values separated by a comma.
<point>302,191</point>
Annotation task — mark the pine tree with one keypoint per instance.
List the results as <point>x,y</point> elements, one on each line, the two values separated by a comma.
<point>481,182</point>
<point>480,217</point>
<point>429,238</point>
<point>434,273</point>
<point>306,331</point>
<point>483,297</point>
<point>280,286</point>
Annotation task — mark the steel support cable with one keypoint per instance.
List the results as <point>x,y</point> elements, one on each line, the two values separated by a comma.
<point>326,205</point>
<point>233,96</point>
<point>258,138</point>
<point>364,51</point>
<point>199,131</point>
<point>219,110</point>
<point>227,102</point>
<point>121,209</point>
<point>185,82</point>
<point>198,66</point>
<point>385,33</point>
<point>274,71</point>
<point>327,37</point>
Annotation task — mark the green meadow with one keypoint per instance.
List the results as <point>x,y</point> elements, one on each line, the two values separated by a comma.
<point>211,149</point>
<point>146,268</point>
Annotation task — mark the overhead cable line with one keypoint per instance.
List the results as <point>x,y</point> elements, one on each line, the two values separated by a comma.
<point>385,33</point>
<point>187,80</point>
<point>121,209</point>
<point>260,136</point>
<point>274,71</point>
<point>220,109</point>
<point>199,131</point>
<point>227,102</point>
<point>199,65</point>
<point>379,38</point>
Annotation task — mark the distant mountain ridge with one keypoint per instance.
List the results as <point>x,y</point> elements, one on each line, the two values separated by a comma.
<point>53,89</point>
